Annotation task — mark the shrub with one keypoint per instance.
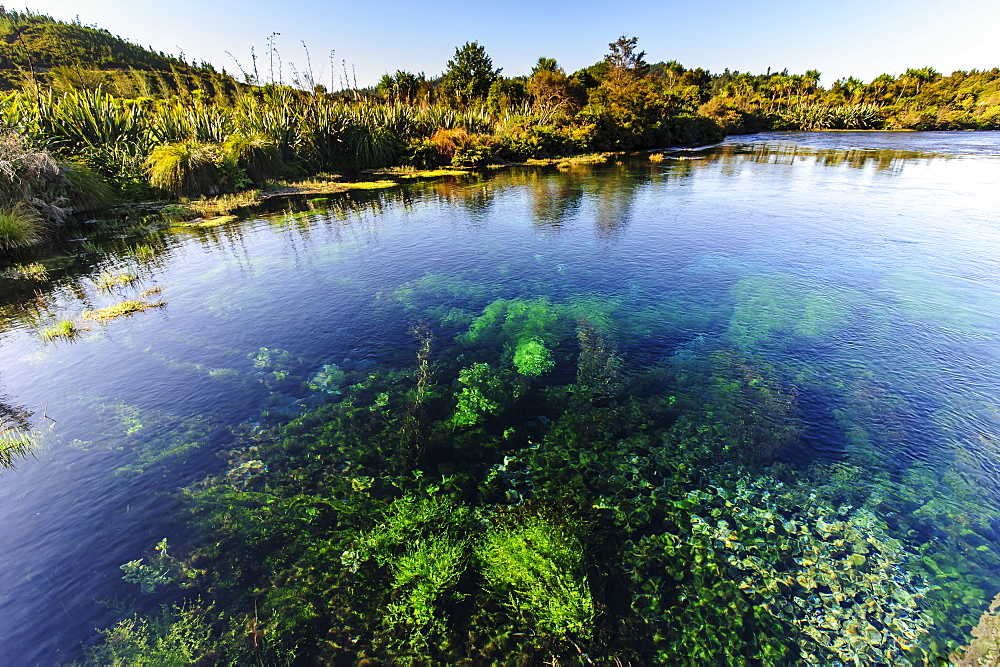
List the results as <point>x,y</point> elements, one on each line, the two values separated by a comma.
<point>472,156</point>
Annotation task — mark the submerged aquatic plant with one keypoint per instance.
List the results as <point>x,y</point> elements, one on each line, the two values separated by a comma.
<point>532,358</point>
<point>537,564</point>
<point>482,394</point>
<point>327,379</point>
<point>159,571</point>
<point>179,635</point>
<point>984,649</point>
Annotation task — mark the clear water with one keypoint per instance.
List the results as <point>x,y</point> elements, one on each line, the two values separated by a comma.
<point>860,268</point>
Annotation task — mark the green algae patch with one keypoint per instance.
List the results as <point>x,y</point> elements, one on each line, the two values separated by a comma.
<point>370,185</point>
<point>432,173</point>
<point>205,223</point>
<point>123,309</point>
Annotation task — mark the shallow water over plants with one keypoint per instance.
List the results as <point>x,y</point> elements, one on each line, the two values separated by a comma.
<point>738,403</point>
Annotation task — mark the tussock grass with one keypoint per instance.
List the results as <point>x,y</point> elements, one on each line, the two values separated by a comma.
<point>88,191</point>
<point>20,226</point>
<point>184,168</point>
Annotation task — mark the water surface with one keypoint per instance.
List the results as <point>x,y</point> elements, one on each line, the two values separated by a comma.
<point>845,284</point>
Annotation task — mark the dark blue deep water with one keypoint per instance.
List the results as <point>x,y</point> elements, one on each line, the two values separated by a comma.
<point>856,276</point>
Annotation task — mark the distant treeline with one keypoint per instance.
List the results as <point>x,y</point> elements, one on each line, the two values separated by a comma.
<point>151,124</point>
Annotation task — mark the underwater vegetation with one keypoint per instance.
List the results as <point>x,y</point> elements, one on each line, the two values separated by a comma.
<point>984,649</point>
<point>523,492</point>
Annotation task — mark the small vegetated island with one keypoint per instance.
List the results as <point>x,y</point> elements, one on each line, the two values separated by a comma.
<point>414,515</point>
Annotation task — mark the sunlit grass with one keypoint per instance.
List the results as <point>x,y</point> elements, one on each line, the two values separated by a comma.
<point>107,282</point>
<point>33,271</point>
<point>596,158</point>
<point>67,329</point>
<point>15,444</point>
<point>224,204</point>
<point>122,309</point>
<point>200,223</point>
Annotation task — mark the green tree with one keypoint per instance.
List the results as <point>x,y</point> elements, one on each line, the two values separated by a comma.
<point>625,64</point>
<point>469,76</point>
<point>401,87</point>
<point>545,65</point>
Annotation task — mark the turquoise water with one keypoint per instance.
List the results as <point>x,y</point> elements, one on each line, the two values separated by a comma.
<point>802,326</point>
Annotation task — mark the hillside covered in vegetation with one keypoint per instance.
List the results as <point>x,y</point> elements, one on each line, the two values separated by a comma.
<point>36,49</point>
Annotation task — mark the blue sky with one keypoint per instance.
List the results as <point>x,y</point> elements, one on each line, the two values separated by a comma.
<point>848,37</point>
